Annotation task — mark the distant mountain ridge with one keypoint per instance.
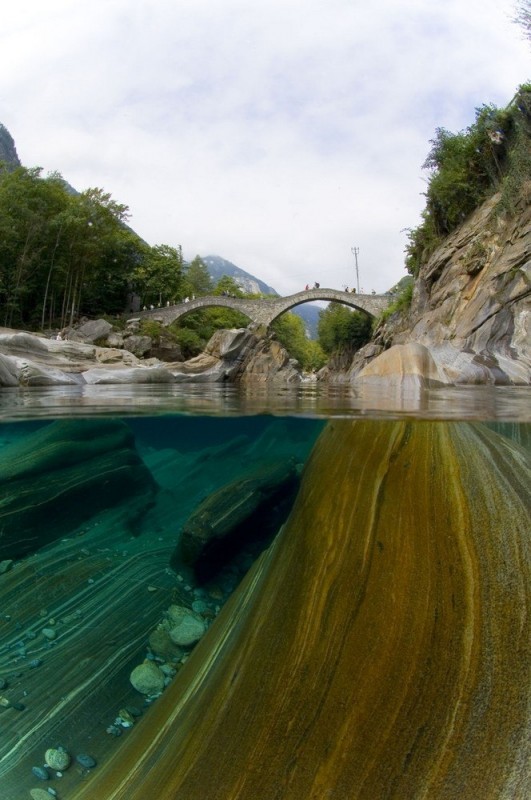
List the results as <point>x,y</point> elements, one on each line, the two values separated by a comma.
<point>8,151</point>
<point>218,267</point>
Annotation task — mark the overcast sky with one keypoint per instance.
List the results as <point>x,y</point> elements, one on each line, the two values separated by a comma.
<point>275,133</point>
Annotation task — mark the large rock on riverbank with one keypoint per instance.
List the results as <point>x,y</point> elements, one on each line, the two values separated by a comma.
<point>471,308</point>
<point>239,356</point>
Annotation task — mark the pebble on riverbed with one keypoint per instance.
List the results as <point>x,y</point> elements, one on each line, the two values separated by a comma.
<point>57,758</point>
<point>41,773</point>
<point>85,760</point>
<point>41,794</point>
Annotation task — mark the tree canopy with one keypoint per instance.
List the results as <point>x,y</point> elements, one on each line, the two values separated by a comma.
<point>60,253</point>
<point>340,328</point>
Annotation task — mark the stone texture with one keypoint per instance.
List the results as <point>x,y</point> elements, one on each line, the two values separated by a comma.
<point>241,356</point>
<point>472,302</point>
<point>380,647</point>
<point>90,331</point>
<point>223,514</point>
<point>65,471</point>
<point>138,375</point>
<point>147,678</point>
<point>138,345</point>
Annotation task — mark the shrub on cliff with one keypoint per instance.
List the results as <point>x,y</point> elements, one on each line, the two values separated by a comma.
<point>490,155</point>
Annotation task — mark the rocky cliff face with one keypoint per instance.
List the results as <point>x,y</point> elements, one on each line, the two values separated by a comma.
<point>471,305</point>
<point>8,152</point>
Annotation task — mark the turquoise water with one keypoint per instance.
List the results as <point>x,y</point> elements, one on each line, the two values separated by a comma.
<point>98,492</point>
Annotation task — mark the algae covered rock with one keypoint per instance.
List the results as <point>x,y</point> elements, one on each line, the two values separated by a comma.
<point>187,627</point>
<point>147,678</point>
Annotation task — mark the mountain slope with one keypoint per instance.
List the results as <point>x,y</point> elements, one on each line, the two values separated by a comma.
<point>8,152</point>
<point>218,267</point>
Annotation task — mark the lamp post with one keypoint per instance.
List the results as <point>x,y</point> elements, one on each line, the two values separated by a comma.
<point>355,251</point>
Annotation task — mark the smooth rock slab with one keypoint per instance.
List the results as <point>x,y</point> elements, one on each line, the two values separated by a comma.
<point>67,471</point>
<point>378,649</point>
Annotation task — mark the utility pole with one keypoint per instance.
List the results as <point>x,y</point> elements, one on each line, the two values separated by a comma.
<point>355,251</point>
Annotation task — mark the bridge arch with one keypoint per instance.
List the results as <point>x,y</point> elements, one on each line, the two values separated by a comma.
<point>265,311</point>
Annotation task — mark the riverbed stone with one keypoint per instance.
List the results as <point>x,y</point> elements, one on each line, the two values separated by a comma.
<point>67,471</point>
<point>187,627</point>
<point>147,678</point>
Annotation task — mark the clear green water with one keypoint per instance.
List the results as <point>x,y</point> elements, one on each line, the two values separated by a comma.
<point>95,491</point>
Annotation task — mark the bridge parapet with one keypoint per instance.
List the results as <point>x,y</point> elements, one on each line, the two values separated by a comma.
<point>264,312</point>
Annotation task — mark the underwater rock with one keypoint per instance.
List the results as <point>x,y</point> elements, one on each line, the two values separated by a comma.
<point>40,794</point>
<point>162,645</point>
<point>67,471</point>
<point>401,667</point>
<point>238,504</point>
<point>147,678</point>
<point>57,758</point>
<point>187,626</point>
<point>86,761</point>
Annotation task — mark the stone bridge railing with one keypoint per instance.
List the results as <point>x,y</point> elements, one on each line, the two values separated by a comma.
<point>264,312</point>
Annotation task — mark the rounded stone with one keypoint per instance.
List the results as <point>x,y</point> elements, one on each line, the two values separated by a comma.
<point>40,794</point>
<point>187,627</point>
<point>57,759</point>
<point>161,644</point>
<point>147,678</point>
<point>85,760</point>
<point>49,633</point>
<point>41,773</point>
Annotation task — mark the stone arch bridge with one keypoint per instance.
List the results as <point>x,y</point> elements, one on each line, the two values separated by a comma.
<point>264,312</point>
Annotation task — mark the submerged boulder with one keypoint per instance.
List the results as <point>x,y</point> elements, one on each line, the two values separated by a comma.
<point>65,473</point>
<point>235,513</point>
<point>378,649</point>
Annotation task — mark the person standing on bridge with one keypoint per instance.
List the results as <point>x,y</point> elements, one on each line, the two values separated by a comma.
<point>307,287</point>
<point>316,285</point>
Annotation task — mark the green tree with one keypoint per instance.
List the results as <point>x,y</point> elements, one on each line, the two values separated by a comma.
<point>159,276</point>
<point>98,255</point>
<point>27,205</point>
<point>339,328</point>
<point>290,331</point>
<point>198,279</point>
<point>227,285</point>
<point>492,154</point>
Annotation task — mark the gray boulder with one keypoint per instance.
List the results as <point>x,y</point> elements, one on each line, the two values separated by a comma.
<point>90,331</point>
<point>138,345</point>
<point>138,375</point>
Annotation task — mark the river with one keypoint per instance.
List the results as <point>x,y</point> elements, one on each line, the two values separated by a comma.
<point>291,593</point>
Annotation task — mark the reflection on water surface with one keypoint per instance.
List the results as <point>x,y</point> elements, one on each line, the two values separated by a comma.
<point>456,402</point>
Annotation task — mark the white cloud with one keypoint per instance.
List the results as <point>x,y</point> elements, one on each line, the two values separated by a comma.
<point>276,134</point>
